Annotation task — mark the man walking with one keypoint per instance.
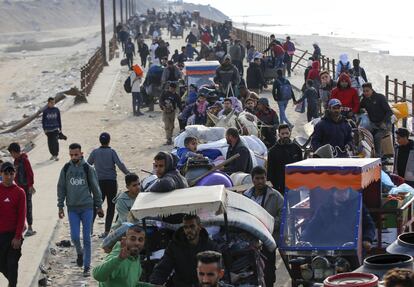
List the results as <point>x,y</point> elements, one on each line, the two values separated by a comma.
<point>169,102</point>
<point>130,53</point>
<point>104,160</point>
<point>13,216</point>
<point>272,201</point>
<point>78,186</point>
<point>24,179</point>
<point>379,114</point>
<point>52,125</point>
<point>136,80</point>
<point>404,156</point>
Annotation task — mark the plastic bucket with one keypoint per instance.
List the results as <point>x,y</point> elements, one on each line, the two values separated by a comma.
<point>351,280</point>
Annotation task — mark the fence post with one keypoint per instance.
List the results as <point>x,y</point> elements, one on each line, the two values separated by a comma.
<point>387,86</point>
<point>333,69</point>
<point>395,90</point>
<point>328,64</point>
<point>404,97</point>
<point>323,62</point>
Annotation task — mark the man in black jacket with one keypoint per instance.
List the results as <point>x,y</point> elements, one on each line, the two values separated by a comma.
<point>236,146</point>
<point>227,75</point>
<point>169,102</point>
<point>282,153</point>
<point>379,114</point>
<point>180,255</point>
<point>169,178</point>
<point>255,80</point>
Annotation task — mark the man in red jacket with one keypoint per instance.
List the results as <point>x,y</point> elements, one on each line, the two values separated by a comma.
<point>347,95</point>
<point>24,179</point>
<point>13,216</point>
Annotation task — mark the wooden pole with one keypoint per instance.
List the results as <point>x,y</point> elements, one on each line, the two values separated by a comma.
<point>387,86</point>
<point>333,69</point>
<point>404,96</point>
<point>103,44</point>
<point>121,11</point>
<point>114,15</point>
<point>395,90</point>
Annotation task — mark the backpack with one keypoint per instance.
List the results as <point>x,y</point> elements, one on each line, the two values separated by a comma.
<point>85,168</point>
<point>127,85</point>
<point>285,91</point>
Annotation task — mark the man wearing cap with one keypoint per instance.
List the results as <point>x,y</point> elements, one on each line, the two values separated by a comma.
<point>169,102</point>
<point>13,217</point>
<point>269,121</point>
<point>227,76</point>
<point>379,114</point>
<point>333,129</point>
<point>104,160</point>
<point>254,79</point>
<point>404,156</point>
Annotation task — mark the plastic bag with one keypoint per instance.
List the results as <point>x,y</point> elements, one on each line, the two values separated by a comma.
<point>301,107</point>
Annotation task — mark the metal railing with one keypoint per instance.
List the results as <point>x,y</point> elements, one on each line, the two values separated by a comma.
<point>400,92</point>
<point>91,71</point>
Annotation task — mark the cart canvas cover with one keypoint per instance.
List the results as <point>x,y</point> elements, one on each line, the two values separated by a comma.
<point>200,68</point>
<point>326,173</point>
<point>193,200</point>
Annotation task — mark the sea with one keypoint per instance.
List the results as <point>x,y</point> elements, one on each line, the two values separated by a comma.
<point>387,22</point>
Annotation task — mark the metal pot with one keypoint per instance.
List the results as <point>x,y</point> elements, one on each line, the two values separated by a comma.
<point>381,264</point>
<point>403,245</point>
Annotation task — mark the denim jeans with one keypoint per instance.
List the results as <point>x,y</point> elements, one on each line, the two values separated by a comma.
<point>282,112</point>
<point>76,216</point>
<point>136,102</point>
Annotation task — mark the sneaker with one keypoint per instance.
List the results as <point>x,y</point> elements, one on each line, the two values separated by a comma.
<point>79,260</point>
<point>87,272</point>
<point>52,157</point>
<point>30,232</point>
<point>103,235</point>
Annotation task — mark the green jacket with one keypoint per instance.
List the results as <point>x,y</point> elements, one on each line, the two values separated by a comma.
<point>115,272</point>
<point>76,189</point>
<point>123,204</point>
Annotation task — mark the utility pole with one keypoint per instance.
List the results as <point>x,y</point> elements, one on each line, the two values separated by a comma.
<point>122,13</point>
<point>114,13</point>
<point>126,11</point>
<point>103,45</point>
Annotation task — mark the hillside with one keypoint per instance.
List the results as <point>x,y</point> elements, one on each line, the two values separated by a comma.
<point>41,15</point>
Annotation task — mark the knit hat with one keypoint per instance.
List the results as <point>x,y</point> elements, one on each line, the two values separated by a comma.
<point>263,101</point>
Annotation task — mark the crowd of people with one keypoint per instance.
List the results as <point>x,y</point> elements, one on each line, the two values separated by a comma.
<point>86,182</point>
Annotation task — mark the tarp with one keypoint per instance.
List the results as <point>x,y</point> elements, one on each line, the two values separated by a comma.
<point>193,200</point>
<point>342,173</point>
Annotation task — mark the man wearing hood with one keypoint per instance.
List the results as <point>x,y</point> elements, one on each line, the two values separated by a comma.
<point>227,76</point>
<point>317,54</point>
<point>180,255</point>
<point>255,80</point>
<point>169,178</point>
<point>333,129</point>
<point>78,186</point>
<point>282,153</point>
<point>314,74</point>
<point>343,66</point>
<point>348,95</point>
<point>358,71</point>
<point>268,118</point>
<point>24,178</point>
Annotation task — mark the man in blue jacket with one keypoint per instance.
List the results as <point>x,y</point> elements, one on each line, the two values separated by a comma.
<point>333,129</point>
<point>52,126</point>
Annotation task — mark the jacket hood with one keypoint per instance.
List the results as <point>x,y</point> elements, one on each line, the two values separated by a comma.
<point>170,163</point>
<point>23,155</point>
<point>315,65</point>
<point>344,58</point>
<point>344,77</point>
<point>180,238</point>
<point>81,162</point>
